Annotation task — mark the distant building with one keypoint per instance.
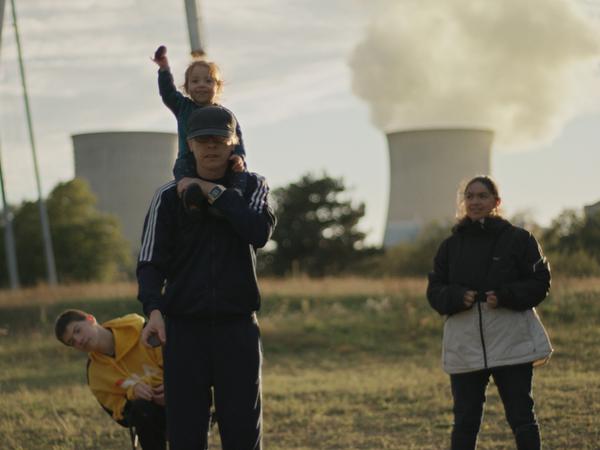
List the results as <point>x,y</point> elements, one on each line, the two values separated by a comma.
<point>124,169</point>
<point>426,167</point>
<point>592,210</point>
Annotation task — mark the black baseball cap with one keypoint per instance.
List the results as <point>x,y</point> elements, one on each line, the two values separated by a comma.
<point>211,121</point>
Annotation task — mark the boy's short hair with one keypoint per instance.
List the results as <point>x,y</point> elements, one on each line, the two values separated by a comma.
<point>65,318</point>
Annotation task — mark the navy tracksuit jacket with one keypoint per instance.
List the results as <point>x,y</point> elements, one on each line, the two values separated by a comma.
<point>199,270</point>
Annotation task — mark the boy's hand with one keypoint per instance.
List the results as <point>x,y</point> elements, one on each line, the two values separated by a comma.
<point>143,391</point>
<point>160,57</point>
<point>237,163</point>
<point>158,395</point>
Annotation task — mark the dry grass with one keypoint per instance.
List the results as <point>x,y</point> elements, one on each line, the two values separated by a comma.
<point>340,287</point>
<point>283,287</point>
<point>327,287</point>
<point>43,294</point>
<point>349,364</point>
<point>295,287</point>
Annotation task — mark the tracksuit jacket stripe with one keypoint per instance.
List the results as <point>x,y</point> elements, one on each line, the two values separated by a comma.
<point>150,231</point>
<point>259,196</point>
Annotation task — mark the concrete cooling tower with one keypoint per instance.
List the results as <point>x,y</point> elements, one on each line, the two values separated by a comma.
<point>426,167</point>
<point>124,169</point>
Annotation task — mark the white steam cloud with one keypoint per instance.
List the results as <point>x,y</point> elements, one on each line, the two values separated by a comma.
<point>521,68</point>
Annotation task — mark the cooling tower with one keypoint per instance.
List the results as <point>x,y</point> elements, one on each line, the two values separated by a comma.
<point>426,167</point>
<point>124,169</point>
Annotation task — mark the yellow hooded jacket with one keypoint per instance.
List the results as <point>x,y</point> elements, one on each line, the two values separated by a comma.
<point>112,379</point>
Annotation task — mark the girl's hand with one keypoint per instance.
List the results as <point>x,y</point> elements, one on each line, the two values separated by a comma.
<point>469,298</point>
<point>237,163</point>
<point>491,299</point>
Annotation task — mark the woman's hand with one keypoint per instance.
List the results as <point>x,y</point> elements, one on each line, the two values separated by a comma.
<point>491,299</point>
<point>469,298</point>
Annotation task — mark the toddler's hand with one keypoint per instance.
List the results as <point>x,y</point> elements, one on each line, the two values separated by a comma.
<point>237,163</point>
<point>160,57</point>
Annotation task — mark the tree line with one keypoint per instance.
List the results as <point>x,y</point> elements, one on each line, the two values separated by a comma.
<point>317,234</point>
<point>88,245</point>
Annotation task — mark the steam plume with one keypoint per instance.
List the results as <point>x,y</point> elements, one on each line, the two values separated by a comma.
<point>519,67</point>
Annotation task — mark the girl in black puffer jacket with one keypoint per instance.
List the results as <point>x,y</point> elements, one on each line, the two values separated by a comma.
<point>487,278</point>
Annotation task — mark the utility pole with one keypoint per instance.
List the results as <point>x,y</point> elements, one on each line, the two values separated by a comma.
<point>47,238</point>
<point>194,21</point>
<point>9,237</point>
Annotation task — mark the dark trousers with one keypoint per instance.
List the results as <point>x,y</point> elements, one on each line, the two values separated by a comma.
<point>226,355</point>
<point>149,421</point>
<point>515,388</point>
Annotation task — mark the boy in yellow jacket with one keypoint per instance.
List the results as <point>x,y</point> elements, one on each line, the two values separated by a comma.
<point>125,376</point>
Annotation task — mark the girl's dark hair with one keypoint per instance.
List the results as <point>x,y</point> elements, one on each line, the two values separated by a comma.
<point>489,183</point>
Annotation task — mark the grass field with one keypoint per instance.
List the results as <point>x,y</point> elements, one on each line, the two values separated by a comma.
<point>349,364</point>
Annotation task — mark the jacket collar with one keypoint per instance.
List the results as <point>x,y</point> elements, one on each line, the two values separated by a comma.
<point>488,225</point>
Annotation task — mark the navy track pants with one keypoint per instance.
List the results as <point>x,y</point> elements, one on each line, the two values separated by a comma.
<point>224,354</point>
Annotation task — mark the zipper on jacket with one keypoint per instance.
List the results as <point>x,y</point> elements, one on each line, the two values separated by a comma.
<point>485,362</point>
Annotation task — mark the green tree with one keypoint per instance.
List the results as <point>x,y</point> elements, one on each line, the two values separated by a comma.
<point>414,258</point>
<point>564,233</point>
<point>316,232</point>
<point>572,244</point>
<point>88,245</point>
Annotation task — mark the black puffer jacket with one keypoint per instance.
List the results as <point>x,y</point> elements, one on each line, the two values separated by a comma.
<point>492,255</point>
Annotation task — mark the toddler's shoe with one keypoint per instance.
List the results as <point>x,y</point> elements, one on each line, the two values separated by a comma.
<point>193,200</point>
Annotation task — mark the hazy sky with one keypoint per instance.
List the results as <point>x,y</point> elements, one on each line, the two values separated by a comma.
<point>291,70</point>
